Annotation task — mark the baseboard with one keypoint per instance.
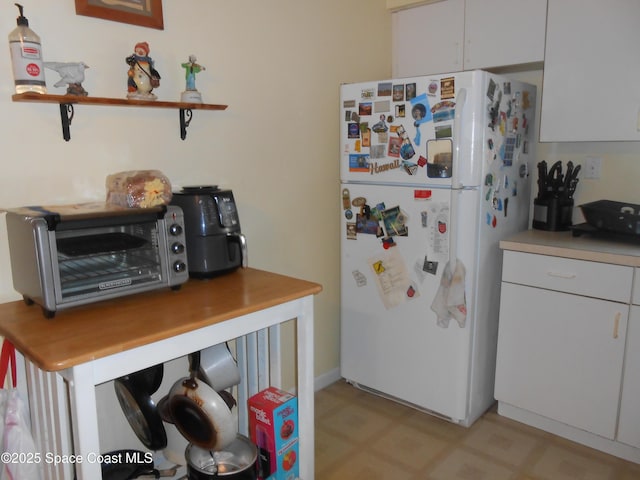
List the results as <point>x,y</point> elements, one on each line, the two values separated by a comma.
<point>611,447</point>
<point>326,379</point>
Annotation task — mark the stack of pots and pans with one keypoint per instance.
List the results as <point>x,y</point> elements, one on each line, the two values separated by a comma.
<point>201,409</point>
<point>199,422</point>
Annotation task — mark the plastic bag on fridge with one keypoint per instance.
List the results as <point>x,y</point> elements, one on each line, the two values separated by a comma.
<point>19,454</point>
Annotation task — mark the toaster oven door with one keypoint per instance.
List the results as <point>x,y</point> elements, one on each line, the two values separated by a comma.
<point>106,261</point>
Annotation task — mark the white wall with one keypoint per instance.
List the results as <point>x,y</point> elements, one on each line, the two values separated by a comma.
<point>278,66</point>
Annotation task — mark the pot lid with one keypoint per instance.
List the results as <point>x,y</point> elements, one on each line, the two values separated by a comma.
<point>141,412</point>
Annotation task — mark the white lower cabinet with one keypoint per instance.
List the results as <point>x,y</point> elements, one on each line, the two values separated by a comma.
<point>560,356</point>
<point>629,423</point>
<point>568,357</point>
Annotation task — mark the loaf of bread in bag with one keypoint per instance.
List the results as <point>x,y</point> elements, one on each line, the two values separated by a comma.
<point>138,189</point>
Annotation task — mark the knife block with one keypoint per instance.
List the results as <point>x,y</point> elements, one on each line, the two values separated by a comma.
<point>553,213</point>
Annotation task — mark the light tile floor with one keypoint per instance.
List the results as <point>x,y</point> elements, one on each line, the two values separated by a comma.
<point>363,436</point>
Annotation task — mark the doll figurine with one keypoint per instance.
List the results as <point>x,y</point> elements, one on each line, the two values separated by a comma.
<point>142,76</point>
<point>191,94</point>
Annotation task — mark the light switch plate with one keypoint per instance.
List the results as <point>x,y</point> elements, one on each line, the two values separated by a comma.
<point>592,167</point>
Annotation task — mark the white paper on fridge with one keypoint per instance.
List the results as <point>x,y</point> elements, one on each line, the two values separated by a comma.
<point>438,247</point>
<point>392,278</point>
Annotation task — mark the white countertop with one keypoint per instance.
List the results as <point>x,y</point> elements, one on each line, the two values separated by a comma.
<point>564,244</point>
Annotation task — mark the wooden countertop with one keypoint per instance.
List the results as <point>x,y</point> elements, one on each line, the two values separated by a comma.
<point>85,333</point>
<point>564,244</point>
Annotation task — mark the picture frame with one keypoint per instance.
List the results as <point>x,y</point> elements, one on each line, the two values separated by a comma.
<point>145,13</point>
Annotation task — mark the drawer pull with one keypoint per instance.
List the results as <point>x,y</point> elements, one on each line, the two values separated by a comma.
<point>616,324</point>
<point>567,276</point>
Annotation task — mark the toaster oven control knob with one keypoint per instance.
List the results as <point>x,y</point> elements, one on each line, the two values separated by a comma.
<point>179,266</point>
<point>177,248</point>
<point>175,229</point>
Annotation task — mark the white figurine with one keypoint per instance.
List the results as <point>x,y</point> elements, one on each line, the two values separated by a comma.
<point>71,74</point>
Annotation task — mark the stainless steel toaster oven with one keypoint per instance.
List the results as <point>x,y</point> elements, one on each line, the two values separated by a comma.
<point>64,256</point>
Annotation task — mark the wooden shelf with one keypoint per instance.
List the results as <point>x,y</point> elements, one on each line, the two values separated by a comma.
<point>66,103</point>
<point>72,99</point>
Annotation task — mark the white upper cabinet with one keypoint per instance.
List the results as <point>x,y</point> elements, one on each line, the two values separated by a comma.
<point>591,85</point>
<point>454,35</point>
<point>428,39</point>
<point>503,32</point>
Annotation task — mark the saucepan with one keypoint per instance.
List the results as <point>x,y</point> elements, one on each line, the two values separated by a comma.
<point>218,368</point>
<point>238,461</point>
<point>200,413</point>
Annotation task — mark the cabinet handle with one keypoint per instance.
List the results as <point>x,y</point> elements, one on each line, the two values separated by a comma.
<point>616,324</point>
<point>567,276</point>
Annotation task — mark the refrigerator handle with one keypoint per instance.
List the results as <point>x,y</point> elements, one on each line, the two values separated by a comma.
<point>461,100</point>
<point>456,186</point>
<point>453,228</point>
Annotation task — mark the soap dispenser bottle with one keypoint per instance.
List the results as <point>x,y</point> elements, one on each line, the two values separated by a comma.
<point>26,57</point>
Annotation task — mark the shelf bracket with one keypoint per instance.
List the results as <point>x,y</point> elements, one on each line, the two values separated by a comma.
<point>185,120</point>
<point>66,115</point>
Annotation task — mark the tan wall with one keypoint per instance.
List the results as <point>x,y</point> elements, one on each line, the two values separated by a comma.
<point>277,64</point>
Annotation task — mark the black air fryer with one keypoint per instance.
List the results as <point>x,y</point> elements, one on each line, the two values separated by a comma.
<point>215,243</point>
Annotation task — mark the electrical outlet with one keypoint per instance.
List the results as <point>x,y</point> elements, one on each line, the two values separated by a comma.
<point>592,167</point>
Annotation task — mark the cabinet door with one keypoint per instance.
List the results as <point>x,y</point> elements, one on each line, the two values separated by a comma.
<point>629,423</point>
<point>560,356</point>
<point>591,90</point>
<point>428,39</point>
<point>498,33</point>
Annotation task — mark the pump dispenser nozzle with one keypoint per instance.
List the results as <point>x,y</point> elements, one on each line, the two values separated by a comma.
<point>21,20</point>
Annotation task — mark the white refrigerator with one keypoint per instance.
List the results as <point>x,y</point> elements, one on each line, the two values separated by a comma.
<point>435,170</point>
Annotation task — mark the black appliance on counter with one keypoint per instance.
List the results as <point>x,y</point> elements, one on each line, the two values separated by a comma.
<point>610,219</point>
<point>215,244</point>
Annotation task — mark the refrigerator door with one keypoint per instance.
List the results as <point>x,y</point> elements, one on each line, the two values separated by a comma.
<point>395,246</point>
<point>401,131</point>
<point>505,150</point>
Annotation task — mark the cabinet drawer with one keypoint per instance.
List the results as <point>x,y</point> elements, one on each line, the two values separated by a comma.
<point>592,279</point>
<point>635,299</point>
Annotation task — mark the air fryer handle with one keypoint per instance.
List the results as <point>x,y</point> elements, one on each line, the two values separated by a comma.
<point>242,241</point>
